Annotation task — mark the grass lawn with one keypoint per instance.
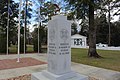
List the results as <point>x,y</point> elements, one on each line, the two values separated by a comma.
<point>111,58</point>
<point>13,49</point>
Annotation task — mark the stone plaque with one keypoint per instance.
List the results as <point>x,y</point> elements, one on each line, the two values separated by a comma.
<point>59,50</point>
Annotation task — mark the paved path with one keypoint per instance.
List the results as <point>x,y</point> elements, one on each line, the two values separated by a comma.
<point>94,72</point>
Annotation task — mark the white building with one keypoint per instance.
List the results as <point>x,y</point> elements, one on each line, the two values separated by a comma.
<point>78,41</point>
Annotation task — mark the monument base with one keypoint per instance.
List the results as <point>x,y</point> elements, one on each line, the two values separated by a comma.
<point>45,75</point>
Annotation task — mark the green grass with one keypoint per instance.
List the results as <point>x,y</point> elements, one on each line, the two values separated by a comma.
<point>110,60</point>
<point>13,49</point>
<point>30,48</point>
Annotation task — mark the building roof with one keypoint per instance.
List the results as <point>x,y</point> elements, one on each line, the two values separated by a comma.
<point>78,36</point>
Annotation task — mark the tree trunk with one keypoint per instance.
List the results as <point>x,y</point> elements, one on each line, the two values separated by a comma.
<point>92,33</point>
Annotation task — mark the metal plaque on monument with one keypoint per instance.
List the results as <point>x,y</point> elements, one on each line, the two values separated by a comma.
<point>59,52</point>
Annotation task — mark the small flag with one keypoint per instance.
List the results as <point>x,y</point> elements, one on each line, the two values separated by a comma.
<point>56,5</point>
<point>10,11</point>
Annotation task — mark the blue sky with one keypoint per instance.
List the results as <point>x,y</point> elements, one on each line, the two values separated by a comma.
<point>32,20</point>
<point>36,5</point>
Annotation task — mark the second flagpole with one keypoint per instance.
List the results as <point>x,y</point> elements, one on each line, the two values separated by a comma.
<point>18,59</point>
<point>8,27</point>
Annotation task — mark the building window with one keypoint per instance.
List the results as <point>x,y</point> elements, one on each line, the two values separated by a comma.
<point>78,41</point>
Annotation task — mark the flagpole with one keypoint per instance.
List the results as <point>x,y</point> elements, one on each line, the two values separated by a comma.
<point>8,27</point>
<point>39,31</point>
<point>26,1</point>
<point>18,59</point>
<point>24,30</point>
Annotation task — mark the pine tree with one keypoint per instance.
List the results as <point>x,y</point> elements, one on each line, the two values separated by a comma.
<point>3,23</point>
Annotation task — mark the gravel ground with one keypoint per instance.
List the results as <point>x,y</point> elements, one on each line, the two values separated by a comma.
<point>23,77</point>
<point>28,77</point>
<point>92,78</point>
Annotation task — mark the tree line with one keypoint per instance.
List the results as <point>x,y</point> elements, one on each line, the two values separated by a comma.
<point>95,23</point>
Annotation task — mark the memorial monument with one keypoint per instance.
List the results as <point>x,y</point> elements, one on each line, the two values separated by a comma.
<point>59,52</point>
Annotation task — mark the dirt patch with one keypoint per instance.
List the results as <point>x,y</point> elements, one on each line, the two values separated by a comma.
<point>24,62</point>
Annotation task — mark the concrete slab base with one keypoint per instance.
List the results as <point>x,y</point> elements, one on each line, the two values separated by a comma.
<point>45,75</point>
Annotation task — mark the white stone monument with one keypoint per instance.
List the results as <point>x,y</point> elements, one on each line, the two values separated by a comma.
<point>59,52</point>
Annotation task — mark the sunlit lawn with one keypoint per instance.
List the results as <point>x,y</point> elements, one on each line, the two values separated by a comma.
<point>110,60</point>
